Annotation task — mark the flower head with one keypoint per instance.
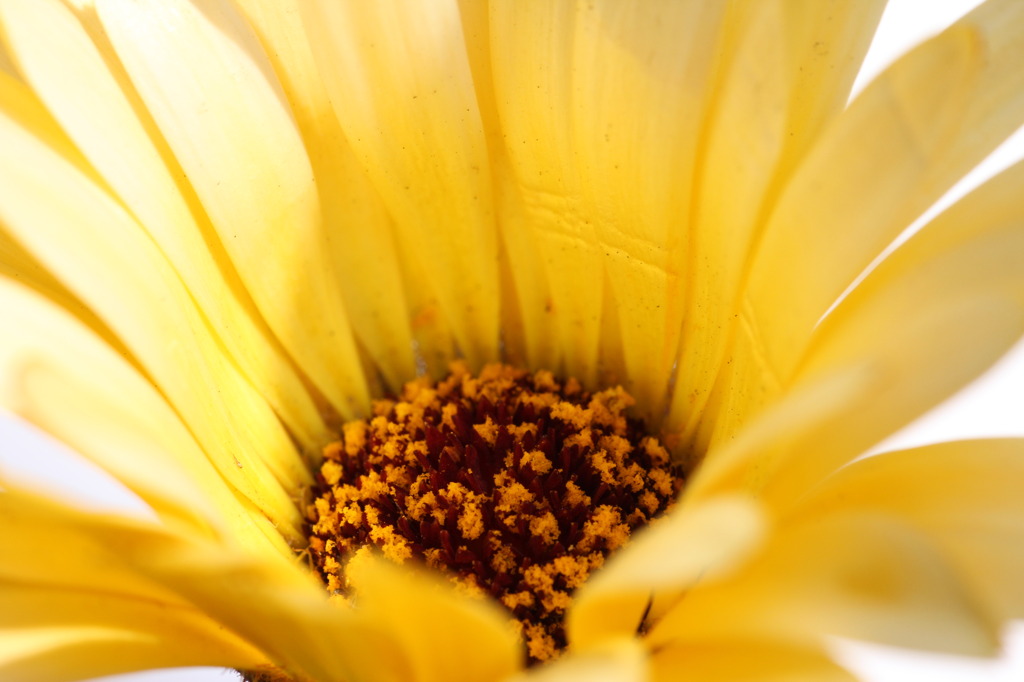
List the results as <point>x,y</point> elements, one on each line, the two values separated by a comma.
<point>229,227</point>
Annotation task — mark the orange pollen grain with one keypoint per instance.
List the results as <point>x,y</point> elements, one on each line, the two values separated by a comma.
<point>515,485</point>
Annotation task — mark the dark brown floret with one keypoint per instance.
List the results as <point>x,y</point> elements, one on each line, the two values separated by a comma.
<point>513,484</point>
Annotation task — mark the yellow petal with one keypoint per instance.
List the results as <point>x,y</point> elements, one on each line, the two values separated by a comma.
<point>401,86</point>
<point>617,661</point>
<point>44,537</point>
<point>39,547</point>
<point>691,544</point>
<point>531,48</point>
<point>900,382</point>
<point>825,43</point>
<point>19,103</point>
<point>445,636</point>
<point>63,379</point>
<point>746,463</point>
<point>61,553</point>
<point>211,90</point>
<point>864,576</point>
<point>52,654</point>
<point>933,115</point>
<point>435,337</point>
<point>527,314</point>
<point>357,223</point>
<point>963,271</point>
<point>83,236</point>
<point>965,495</point>
<point>68,72</point>
<point>640,86</point>
<point>18,265</point>
<point>85,634</point>
<point>786,71</point>
<point>601,106</point>
<point>279,608</point>
<point>274,604</point>
<point>745,661</point>
<point>6,65</point>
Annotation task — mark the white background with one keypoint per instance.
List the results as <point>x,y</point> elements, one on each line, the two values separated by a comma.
<point>994,405</point>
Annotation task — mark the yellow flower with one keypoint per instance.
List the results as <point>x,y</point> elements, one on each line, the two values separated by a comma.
<point>226,225</point>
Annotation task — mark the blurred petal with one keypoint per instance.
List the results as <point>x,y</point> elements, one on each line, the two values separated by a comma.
<point>745,661</point>
<point>622,660</point>
<point>70,635</point>
<point>75,619</point>
<point>865,576</point>
<point>861,576</point>
<point>965,495</point>
<point>273,604</point>
<point>284,612</point>
<point>446,636</point>
<point>689,545</point>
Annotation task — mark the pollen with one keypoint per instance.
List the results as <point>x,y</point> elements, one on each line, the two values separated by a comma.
<point>516,485</point>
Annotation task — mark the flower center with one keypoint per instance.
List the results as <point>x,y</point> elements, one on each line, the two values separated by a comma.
<point>512,484</point>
